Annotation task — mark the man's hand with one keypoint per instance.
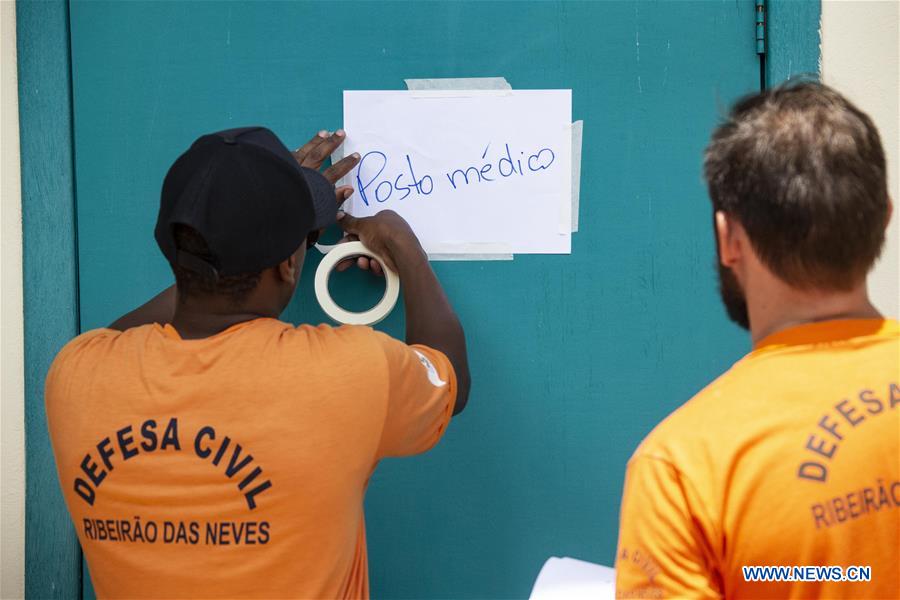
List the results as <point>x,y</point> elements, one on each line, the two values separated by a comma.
<point>314,152</point>
<point>311,155</point>
<point>386,234</point>
<point>375,232</point>
<point>430,320</point>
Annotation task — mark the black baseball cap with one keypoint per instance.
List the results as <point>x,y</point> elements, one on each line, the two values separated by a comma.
<point>243,191</point>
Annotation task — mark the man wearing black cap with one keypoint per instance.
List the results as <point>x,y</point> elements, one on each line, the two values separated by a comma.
<point>207,449</point>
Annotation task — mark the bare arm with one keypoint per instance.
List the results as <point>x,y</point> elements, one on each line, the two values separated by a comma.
<point>430,320</point>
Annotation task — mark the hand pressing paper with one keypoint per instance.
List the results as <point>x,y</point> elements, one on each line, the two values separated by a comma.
<point>572,579</point>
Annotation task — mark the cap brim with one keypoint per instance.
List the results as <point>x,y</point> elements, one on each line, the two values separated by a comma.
<point>323,198</point>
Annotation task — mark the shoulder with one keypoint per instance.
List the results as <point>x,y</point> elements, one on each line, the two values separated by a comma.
<point>78,358</point>
<point>92,347</point>
<point>329,336</point>
<point>87,342</point>
<point>354,348</point>
<point>266,331</point>
<point>363,350</point>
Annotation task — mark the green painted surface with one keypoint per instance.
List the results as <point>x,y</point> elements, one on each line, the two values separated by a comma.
<point>52,555</point>
<point>574,358</point>
<point>793,39</point>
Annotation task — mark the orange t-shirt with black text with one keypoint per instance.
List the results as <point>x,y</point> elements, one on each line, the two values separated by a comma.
<point>790,458</point>
<point>236,465</point>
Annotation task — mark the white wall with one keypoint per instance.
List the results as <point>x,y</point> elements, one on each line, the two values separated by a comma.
<point>12,385</point>
<point>861,59</point>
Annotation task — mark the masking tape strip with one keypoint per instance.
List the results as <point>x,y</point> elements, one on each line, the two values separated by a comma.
<point>337,155</point>
<point>434,94</point>
<point>458,83</point>
<point>577,128</point>
<point>335,312</point>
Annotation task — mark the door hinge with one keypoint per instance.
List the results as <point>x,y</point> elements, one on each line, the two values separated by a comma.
<point>761,40</point>
<point>760,26</point>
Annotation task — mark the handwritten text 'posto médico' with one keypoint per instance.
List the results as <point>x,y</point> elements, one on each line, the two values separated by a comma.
<point>506,164</point>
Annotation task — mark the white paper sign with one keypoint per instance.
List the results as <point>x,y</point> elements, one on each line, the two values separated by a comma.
<point>572,579</point>
<point>472,171</point>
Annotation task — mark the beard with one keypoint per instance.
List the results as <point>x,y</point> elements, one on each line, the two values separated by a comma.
<point>733,297</point>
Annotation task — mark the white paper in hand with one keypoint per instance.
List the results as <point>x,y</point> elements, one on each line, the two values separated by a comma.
<point>573,579</point>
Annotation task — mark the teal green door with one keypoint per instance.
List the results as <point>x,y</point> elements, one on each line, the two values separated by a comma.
<point>574,358</point>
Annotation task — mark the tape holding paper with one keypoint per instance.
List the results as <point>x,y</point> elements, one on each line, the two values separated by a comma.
<point>458,83</point>
<point>335,312</point>
<point>577,130</point>
<point>325,248</point>
<point>451,87</point>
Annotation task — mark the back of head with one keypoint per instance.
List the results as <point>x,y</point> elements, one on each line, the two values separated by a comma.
<point>193,283</point>
<point>234,205</point>
<point>803,171</point>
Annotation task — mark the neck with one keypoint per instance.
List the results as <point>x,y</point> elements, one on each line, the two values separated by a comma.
<point>778,307</point>
<point>197,320</point>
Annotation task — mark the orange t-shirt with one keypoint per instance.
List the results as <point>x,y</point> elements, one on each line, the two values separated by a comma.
<point>235,466</point>
<point>792,457</point>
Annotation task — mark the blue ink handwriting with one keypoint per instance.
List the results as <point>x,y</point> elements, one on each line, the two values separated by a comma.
<point>381,189</point>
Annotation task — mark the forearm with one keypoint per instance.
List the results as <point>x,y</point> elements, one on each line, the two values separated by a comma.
<point>430,320</point>
<point>158,309</point>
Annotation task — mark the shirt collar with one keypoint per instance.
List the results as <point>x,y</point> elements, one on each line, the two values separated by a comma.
<point>827,331</point>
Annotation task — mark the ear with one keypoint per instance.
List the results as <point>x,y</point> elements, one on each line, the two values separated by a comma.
<point>890,212</point>
<point>729,239</point>
<point>289,269</point>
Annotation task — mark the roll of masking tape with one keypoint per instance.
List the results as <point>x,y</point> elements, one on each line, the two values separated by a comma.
<point>374,314</point>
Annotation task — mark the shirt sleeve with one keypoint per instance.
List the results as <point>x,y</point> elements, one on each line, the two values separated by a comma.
<point>421,396</point>
<point>663,550</point>
<point>71,370</point>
